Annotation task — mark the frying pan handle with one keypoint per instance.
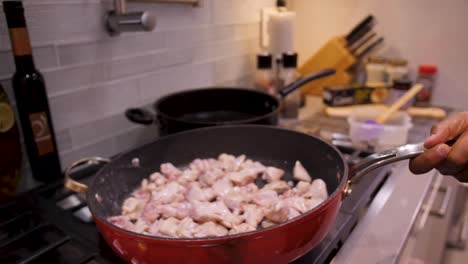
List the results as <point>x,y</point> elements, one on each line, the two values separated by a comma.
<point>140,116</point>
<point>314,76</point>
<point>78,186</point>
<point>378,160</point>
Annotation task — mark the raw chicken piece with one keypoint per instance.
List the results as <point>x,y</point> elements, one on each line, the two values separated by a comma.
<point>158,179</point>
<point>319,189</point>
<point>303,189</point>
<point>244,176</point>
<point>169,227</point>
<point>228,162</point>
<point>142,195</point>
<point>266,224</point>
<point>215,211</point>
<point>154,229</point>
<point>272,174</point>
<point>296,202</point>
<point>151,211</point>
<point>186,228</point>
<point>171,192</point>
<point>234,199</point>
<point>210,229</point>
<point>187,176</point>
<point>132,205</point>
<point>202,165</point>
<point>253,215</point>
<point>170,171</point>
<point>121,221</point>
<point>249,189</point>
<point>140,226</point>
<point>195,193</point>
<point>277,186</point>
<point>242,228</point>
<point>312,203</point>
<point>265,198</point>
<point>176,210</point>
<point>281,213</point>
<point>300,173</point>
<point>209,177</point>
<point>222,186</point>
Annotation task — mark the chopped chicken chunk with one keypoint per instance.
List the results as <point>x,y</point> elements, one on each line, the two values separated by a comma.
<point>222,186</point>
<point>216,212</point>
<point>300,173</point>
<point>170,171</point>
<point>272,174</point>
<point>281,213</point>
<point>319,189</point>
<point>277,186</point>
<point>171,192</point>
<point>253,215</point>
<point>210,229</point>
<point>169,227</point>
<point>265,198</point>
<point>195,193</point>
<point>176,210</point>
<point>187,227</point>
<point>242,228</point>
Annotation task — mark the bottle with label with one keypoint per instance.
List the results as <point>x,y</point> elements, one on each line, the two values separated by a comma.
<point>426,76</point>
<point>264,76</point>
<point>288,75</point>
<point>31,100</point>
<point>10,155</point>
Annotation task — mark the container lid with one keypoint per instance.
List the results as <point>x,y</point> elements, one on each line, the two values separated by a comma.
<point>377,60</point>
<point>289,60</point>
<point>427,69</point>
<point>398,62</point>
<point>264,61</point>
<point>402,84</point>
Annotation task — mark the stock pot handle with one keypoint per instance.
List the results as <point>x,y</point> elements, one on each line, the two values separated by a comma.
<point>75,185</point>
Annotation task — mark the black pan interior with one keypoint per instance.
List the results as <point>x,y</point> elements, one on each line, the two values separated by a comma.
<point>216,105</point>
<point>269,145</point>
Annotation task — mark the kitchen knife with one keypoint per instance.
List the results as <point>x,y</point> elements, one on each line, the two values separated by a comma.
<point>351,35</point>
<point>369,48</point>
<point>359,34</point>
<point>362,42</point>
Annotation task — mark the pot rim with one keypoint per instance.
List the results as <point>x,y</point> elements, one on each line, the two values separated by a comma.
<point>336,194</point>
<point>156,106</point>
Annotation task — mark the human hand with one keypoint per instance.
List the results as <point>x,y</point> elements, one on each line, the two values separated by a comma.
<point>448,160</point>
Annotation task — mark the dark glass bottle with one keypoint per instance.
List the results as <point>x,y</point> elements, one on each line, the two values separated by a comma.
<point>31,99</point>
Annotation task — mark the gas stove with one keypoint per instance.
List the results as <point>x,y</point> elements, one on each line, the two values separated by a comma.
<point>54,225</point>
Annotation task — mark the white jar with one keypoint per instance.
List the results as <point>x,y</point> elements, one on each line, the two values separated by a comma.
<point>375,71</point>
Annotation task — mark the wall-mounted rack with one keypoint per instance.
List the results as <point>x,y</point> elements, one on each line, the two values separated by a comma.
<point>190,2</point>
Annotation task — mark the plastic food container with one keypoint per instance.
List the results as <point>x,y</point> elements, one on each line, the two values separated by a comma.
<point>379,136</point>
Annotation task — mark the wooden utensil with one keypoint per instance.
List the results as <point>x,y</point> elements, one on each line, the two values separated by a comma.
<point>382,118</point>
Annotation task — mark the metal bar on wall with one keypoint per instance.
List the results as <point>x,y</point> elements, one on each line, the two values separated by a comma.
<point>191,2</point>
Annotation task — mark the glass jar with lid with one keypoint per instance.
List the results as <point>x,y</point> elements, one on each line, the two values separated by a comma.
<point>396,69</point>
<point>375,71</point>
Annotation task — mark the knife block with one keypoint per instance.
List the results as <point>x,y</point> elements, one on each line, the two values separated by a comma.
<point>334,54</point>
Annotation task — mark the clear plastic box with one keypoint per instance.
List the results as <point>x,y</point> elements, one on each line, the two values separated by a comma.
<point>366,133</point>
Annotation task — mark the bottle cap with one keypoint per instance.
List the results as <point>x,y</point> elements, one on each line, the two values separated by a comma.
<point>281,3</point>
<point>289,60</point>
<point>264,61</point>
<point>427,69</point>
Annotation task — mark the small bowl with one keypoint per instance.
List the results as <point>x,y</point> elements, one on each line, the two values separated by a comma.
<point>365,132</point>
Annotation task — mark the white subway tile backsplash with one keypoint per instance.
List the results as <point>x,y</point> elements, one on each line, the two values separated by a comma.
<point>44,58</point>
<point>111,48</point>
<point>104,148</point>
<point>89,104</point>
<point>234,67</point>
